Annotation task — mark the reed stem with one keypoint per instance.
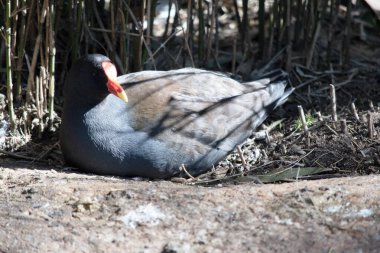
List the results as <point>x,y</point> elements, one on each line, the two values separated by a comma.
<point>201,36</point>
<point>8,64</point>
<point>51,70</point>
<point>20,51</point>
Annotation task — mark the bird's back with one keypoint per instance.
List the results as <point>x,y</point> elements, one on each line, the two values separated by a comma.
<point>199,115</point>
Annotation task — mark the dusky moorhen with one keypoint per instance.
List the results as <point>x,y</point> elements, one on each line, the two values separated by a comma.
<point>187,116</point>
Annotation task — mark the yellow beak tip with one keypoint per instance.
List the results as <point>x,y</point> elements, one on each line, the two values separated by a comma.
<point>123,96</point>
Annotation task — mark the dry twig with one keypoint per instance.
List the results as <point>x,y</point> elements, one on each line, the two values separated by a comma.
<point>354,111</point>
<point>183,168</point>
<point>305,128</point>
<point>245,165</point>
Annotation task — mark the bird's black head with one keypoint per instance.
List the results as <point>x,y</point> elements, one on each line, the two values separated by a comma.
<point>91,79</point>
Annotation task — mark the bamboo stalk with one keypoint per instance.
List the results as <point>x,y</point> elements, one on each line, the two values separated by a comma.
<point>21,50</point>
<point>75,33</point>
<point>281,22</point>
<point>137,41</point>
<point>238,19</point>
<point>150,5</point>
<point>14,36</point>
<point>310,54</point>
<point>176,16</point>
<point>8,64</point>
<point>371,128</point>
<point>245,27</point>
<point>152,16</point>
<point>113,28</point>
<point>288,36</point>
<point>334,9</point>
<point>66,18</point>
<point>262,27</point>
<point>51,62</point>
<point>347,37</point>
<point>333,104</point>
<point>109,44</point>
<point>299,22</point>
<point>43,90</point>
<point>277,23</point>
<point>307,23</point>
<point>211,29</point>
<point>234,58</point>
<point>40,98</point>
<point>37,94</point>
<point>14,22</point>
<point>165,34</point>
<point>123,39</point>
<point>189,29</point>
<point>216,36</point>
<point>201,34</point>
<point>31,84</point>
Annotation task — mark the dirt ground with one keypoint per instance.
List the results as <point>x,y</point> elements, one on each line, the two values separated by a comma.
<point>48,210</point>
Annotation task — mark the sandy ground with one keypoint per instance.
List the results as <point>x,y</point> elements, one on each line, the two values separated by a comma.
<point>47,210</point>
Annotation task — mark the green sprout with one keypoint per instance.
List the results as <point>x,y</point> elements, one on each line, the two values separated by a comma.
<point>310,120</point>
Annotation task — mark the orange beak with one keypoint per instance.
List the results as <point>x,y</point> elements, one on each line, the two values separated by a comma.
<point>113,86</point>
